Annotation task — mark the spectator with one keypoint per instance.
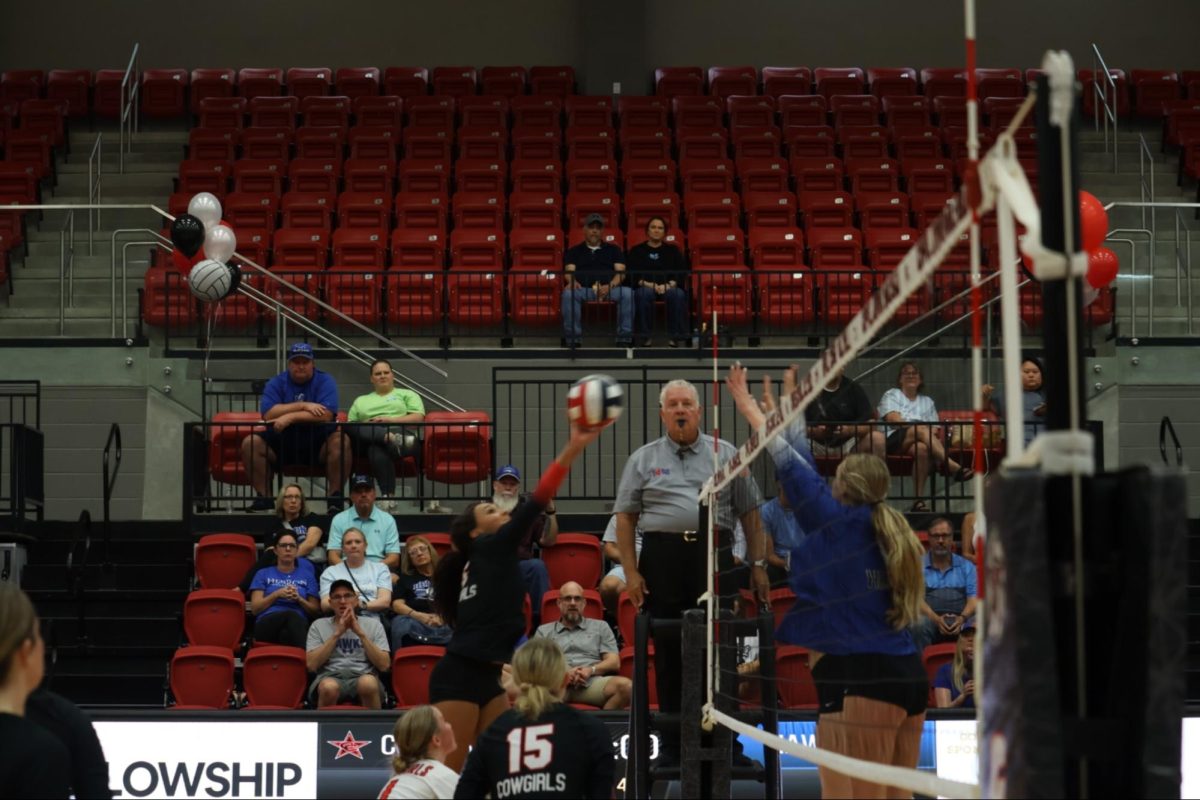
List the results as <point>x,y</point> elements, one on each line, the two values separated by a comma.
<point>416,621</point>
<point>832,417</point>
<point>904,408</point>
<point>657,269</point>
<point>1033,399</point>
<point>612,584</point>
<point>506,495</point>
<point>382,444</point>
<point>780,524</point>
<point>954,683</point>
<point>383,540</point>
<point>593,659</point>
<point>284,596</point>
<point>950,588</point>
<point>595,270</point>
<point>301,404</point>
<point>58,715</point>
<point>423,740</point>
<point>347,653</point>
<point>33,762</point>
<point>569,749</point>
<point>292,514</point>
<point>370,579</point>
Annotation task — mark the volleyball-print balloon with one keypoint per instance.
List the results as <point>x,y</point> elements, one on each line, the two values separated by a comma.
<point>595,401</point>
<point>210,280</point>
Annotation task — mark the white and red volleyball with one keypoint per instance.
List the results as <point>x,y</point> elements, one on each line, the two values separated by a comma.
<point>595,401</point>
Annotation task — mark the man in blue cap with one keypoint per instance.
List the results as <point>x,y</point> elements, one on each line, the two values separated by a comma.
<point>300,404</point>
<point>506,494</point>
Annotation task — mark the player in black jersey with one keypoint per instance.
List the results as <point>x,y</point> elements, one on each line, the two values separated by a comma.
<point>542,748</point>
<point>478,590</point>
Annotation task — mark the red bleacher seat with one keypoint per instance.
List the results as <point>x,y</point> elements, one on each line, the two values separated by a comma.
<point>842,291</point>
<point>535,210</point>
<point>259,176</point>
<point>642,112</point>
<point>892,81</point>
<point>106,93</point>
<point>370,175</point>
<point>574,557</point>
<point>215,617</point>
<point>360,248</point>
<point>48,117</point>
<point>70,86</point>
<point>503,81</point>
<point>414,297</point>
<point>269,143</point>
<point>917,142</point>
<point>365,210</point>
<point>273,112</point>
<point>1153,87</point>
<point>757,143</point>
<point>826,210</point>
<point>275,677</point>
<point>255,82</point>
<point>454,81</point>
<point>906,111</point>
<point>418,249</point>
<point>421,211</point>
<point>251,210</point>
<point>477,249</point>
<point>222,559</point>
<point>320,111</point>
<point>354,293</point>
<point>162,92</point>
<point>375,111</point>
<point>784,295</point>
<point>484,113</point>
<point>221,112</point>
<point>293,247</point>
<point>314,176</point>
<point>854,109</point>
<point>534,295</point>
<point>816,174</point>
<point>225,465</point>
<point>552,80</point>
<point>379,144</point>
<point>538,113</point>
<point>809,141</point>
<point>776,248</point>
<point>354,82</point>
<point>202,677</point>
<point>458,446</point>
<point>786,80</point>
<point>203,176</point>
<point>887,246</point>
<point>835,246</point>
<point>411,668</point>
<point>212,145</point>
<point>207,83</point>
<point>944,82</point>
<point>166,300</point>
<point>673,81</point>
<point>750,111</point>
<point>726,81</point>
<point>703,114</point>
<point>406,81</point>
<point>593,608</point>
<point>802,111</point>
<point>19,85</point>
<point>309,81</point>
<point>999,82</point>
<point>832,81</point>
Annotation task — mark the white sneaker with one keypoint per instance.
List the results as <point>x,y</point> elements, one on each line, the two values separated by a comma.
<point>390,506</point>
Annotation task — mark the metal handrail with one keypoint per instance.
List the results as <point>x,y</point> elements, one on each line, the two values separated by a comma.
<point>130,91</point>
<point>94,188</point>
<point>1165,427</point>
<point>1183,255</point>
<point>1110,112</point>
<point>66,269</point>
<point>110,481</point>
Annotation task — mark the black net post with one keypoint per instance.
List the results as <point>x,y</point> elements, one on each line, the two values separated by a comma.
<point>770,702</point>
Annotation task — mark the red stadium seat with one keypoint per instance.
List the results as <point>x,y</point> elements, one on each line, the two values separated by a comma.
<point>854,109</point>
<point>162,92</point>
<point>1002,82</point>
<point>215,618</point>
<point>274,112</point>
<point>673,81</point>
<point>210,145</point>
<point>726,81</point>
<point>260,82</point>
<point>411,668</point>
<point>475,296</point>
<point>355,294</point>
<point>757,143</point>
<point>703,114</point>
<point>458,446</point>
<point>325,112</point>
<point>106,93</point>
<point>70,86</point>
<point>269,143</point>
<point>308,210</point>
<point>892,81</point>
<point>275,677</point>
<point>574,557</point>
<point>483,113</point>
<point>19,85</point>
<point>826,210</point>
<point>301,248</point>
<point>1088,78</point>
<point>360,248</point>
<point>934,657</point>
<point>225,465</point>
<point>309,81</point>
<point>729,292</point>
<point>202,677</point>
<point>379,112</point>
<point>794,678</point>
<point>406,81</point>
<point>222,559</point>
<point>372,210</point>
<point>211,83</point>
<point>642,112</point>
<point>414,298</point>
<point>421,211</point>
<point>779,81</point>
<point>842,292</point>
<point>832,81</point>
<point>251,210</point>
<point>538,113</point>
<point>534,295</point>
<point>369,175</point>
<point>329,143</point>
<point>553,80</point>
<point>255,176</point>
<point>752,112</point>
<point>416,249</point>
<point>776,248</point>
<point>802,111</point>
<point>166,300</point>
<point>379,144</point>
<point>454,81</point>
<point>944,82</point>
<point>538,211</point>
<point>203,176</point>
<point>906,111</point>
<point>785,297</point>
<point>503,81</point>
<point>45,117</point>
<point>355,82</point>
<point>593,608</point>
<point>1153,87</point>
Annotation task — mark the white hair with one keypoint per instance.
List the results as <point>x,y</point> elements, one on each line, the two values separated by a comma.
<point>678,383</point>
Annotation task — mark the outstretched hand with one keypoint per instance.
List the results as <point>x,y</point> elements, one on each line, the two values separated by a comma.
<point>747,406</point>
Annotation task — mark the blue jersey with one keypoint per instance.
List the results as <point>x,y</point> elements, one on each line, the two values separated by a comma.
<point>303,577</point>
<point>321,388</point>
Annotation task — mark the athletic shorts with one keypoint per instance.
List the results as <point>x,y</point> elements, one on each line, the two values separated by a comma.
<point>347,685</point>
<point>590,695</point>
<point>895,439</point>
<point>457,677</point>
<point>617,572</point>
<point>299,444</point>
<point>899,680</point>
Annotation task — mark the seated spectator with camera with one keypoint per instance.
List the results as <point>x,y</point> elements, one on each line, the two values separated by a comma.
<point>950,596</point>
<point>416,621</point>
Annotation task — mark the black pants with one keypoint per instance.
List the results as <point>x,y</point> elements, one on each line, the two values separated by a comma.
<point>283,627</point>
<point>674,571</point>
<point>371,441</point>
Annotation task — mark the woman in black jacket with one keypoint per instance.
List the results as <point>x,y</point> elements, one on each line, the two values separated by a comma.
<point>657,269</point>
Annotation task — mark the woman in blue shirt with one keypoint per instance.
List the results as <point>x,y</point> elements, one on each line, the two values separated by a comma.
<point>858,580</point>
<point>954,683</point>
<point>285,596</point>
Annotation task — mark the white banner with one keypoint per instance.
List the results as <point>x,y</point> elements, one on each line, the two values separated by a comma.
<point>210,759</point>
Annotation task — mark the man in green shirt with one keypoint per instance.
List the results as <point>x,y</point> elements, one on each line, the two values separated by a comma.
<point>385,443</point>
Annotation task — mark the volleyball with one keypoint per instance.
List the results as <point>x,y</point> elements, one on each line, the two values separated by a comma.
<point>210,280</point>
<point>595,401</point>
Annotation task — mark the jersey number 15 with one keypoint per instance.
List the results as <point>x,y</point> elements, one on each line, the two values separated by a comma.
<point>530,749</point>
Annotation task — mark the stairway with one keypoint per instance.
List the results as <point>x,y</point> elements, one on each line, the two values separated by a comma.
<point>120,653</point>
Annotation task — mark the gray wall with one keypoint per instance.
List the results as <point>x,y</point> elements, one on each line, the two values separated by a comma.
<point>620,40</point>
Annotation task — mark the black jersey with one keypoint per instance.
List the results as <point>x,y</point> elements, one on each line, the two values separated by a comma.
<point>563,753</point>
<point>33,762</point>
<point>491,617</point>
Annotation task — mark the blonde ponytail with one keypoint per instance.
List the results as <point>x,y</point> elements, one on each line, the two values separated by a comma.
<point>865,480</point>
<point>538,670</point>
<point>413,734</point>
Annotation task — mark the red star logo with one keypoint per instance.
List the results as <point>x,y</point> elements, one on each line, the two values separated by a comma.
<point>349,746</point>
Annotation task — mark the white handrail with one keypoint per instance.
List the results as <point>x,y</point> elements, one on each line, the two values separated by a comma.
<point>96,157</point>
<point>1110,112</point>
<point>129,95</point>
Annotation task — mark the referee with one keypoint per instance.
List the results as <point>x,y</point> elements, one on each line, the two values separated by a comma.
<point>659,494</point>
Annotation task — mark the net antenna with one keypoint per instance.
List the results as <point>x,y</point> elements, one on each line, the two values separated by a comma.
<point>999,183</point>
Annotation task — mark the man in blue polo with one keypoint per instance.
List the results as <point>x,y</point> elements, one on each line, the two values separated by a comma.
<point>595,270</point>
<point>378,526</point>
<point>950,589</point>
<point>300,404</point>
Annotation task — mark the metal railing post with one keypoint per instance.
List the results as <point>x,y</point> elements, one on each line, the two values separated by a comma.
<point>94,190</point>
<point>1110,111</point>
<point>127,124</point>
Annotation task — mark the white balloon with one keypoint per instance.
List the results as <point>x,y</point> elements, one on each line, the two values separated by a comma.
<point>207,208</point>
<point>220,243</point>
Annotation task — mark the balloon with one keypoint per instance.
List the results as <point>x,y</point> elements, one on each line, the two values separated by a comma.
<point>206,207</point>
<point>220,243</point>
<point>1093,221</point>
<point>183,263</point>
<point>187,234</point>
<point>1102,267</point>
<point>235,275</point>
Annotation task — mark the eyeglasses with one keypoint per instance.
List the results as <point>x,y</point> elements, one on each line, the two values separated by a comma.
<point>570,598</point>
<point>286,546</point>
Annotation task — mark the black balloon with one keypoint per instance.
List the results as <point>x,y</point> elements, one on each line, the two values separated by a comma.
<point>187,233</point>
<point>235,275</point>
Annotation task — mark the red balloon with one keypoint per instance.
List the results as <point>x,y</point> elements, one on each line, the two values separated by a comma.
<point>1102,267</point>
<point>1093,221</point>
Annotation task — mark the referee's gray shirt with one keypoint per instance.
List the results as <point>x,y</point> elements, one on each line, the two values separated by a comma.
<point>662,480</point>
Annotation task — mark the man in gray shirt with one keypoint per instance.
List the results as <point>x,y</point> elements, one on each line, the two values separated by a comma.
<point>659,494</point>
<point>347,652</point>
<point>591,650</point>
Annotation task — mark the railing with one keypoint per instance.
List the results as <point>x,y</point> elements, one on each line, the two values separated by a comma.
<point>1102,101</point>
<point>23,492</point>
<point>1183,260</point>
<point>1165,427</point>
<point>95,193</point>
<point>78,556</point>
<point>109,482</point>
<point>130,92</point>
<point>66,269</point>
<point>21,403</point>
